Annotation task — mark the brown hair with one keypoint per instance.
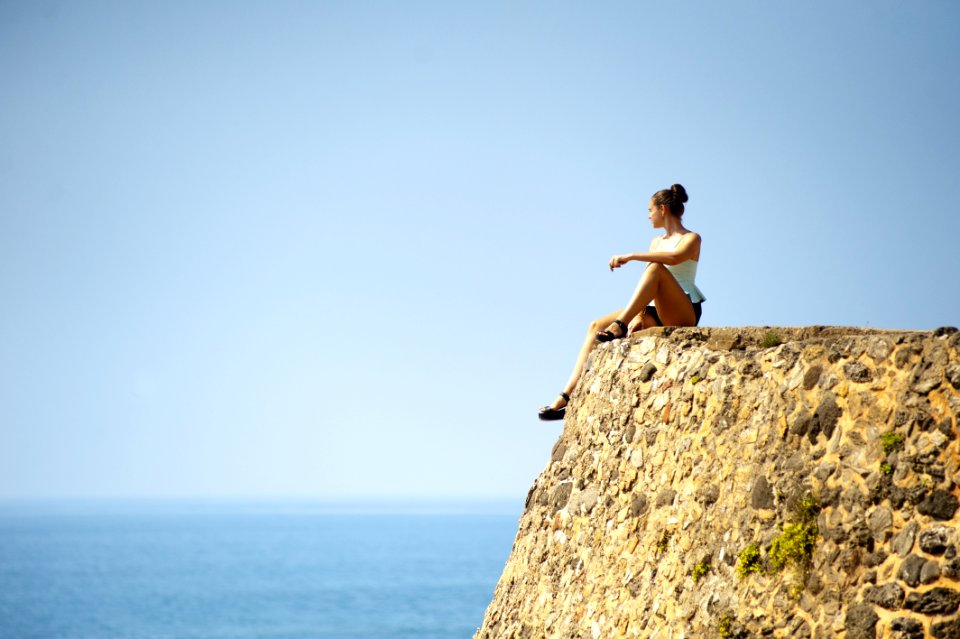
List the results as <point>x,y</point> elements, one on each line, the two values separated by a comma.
<point>674,197</point>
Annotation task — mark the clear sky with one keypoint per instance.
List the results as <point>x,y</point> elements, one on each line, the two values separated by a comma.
<point>347,249</point>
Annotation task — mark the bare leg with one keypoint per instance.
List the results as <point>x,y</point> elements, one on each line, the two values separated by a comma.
<point>641,321</point>
<point>588,343</point>
<point>658,285</point>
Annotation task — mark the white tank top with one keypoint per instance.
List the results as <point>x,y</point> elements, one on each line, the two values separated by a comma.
<point>686,273</point>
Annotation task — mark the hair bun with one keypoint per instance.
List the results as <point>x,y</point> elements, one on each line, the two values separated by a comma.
<point>679,193</point>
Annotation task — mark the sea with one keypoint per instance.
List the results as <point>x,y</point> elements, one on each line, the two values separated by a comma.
<point>250,570</point>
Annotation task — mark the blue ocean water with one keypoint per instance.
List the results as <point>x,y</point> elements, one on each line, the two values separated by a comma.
<point>264,572</point>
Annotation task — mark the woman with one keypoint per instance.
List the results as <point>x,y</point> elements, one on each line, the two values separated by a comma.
<point>668,281</point>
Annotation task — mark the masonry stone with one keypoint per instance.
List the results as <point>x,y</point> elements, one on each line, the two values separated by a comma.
<point>910,570</point>
<point>930,571</point>
<point>936,601</point>
<point>906,628</point>
<point>946,629</point>
<point>934,540</point>
<point>861,622</point>
<point>902,542</point>
<point>889,596</point>
<point>687,451</point>
<point>940,504</point>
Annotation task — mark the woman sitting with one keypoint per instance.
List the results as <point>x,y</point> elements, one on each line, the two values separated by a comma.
<point>667,281</point>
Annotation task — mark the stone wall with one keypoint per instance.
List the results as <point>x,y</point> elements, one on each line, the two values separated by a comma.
<point>747,483</point>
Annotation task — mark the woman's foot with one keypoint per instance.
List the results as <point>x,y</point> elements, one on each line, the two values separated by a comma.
<point>616,330</point>
<point>556,410</point>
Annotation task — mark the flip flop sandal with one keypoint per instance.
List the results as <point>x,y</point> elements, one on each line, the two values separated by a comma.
<point>607,335</point>
<point>548,414</point>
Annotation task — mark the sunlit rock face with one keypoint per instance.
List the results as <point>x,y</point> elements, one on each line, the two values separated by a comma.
<point>750,482</point>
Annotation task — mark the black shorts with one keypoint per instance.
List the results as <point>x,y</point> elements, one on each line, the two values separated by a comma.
<point>697,312</point>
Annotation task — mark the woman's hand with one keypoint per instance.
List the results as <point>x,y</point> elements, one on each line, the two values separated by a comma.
<point>636,324</point>
<point>618,260</point>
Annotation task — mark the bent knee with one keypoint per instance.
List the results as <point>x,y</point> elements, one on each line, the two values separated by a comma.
<point>599,324</point>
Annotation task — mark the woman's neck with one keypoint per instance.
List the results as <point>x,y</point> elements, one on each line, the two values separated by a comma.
<point>672,226</point>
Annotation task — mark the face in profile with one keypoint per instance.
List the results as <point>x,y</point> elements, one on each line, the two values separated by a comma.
<point>656,214</point>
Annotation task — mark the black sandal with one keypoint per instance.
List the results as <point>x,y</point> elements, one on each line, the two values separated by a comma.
<point>548,414</point>
<point>607,335</point>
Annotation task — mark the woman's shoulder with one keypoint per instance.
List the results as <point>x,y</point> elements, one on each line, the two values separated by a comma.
<point>686,236</point>
<point>675,241</point>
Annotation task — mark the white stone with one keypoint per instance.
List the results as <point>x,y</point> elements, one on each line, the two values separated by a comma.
<point>928,442</point>
<point>879,349</point>
<point>794,380</point>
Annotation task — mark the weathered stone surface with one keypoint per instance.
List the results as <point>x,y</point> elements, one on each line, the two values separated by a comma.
<point>937,601</point>
<point>934,540</point>
<point>560,495</point>
<point>559,450</point>
<point>880,522</point>
<point>926,376</point>
<point>647,372</point>
<point>939,504</point>
<point>906,628</point>
<point>861,622</point>
<point>665,498</point>
<point>857,372</point>
<point>874,559</point>
<point>879,348</point>
<point>946,629</point>
<point>708,494</point>
<point>811,377</point>
<point>951,569</point>
<point>902,542</point>
<point>953,374</point>
<point>827,414</point>
<point>638,506</point>
<point>584,501</point>
<point>659,486</point>
<point>930,571</point>
<point>762,495</point>
<point>799,630</point>
<point>910,570</point>
<point>889,596</point>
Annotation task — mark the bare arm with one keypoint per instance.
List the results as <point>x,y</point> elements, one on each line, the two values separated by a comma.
<point>685,250</point>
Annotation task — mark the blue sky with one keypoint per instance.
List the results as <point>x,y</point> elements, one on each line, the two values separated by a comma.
<point>345,250</point>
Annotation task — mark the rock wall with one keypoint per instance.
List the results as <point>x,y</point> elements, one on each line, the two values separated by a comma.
<point>747,483</point>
